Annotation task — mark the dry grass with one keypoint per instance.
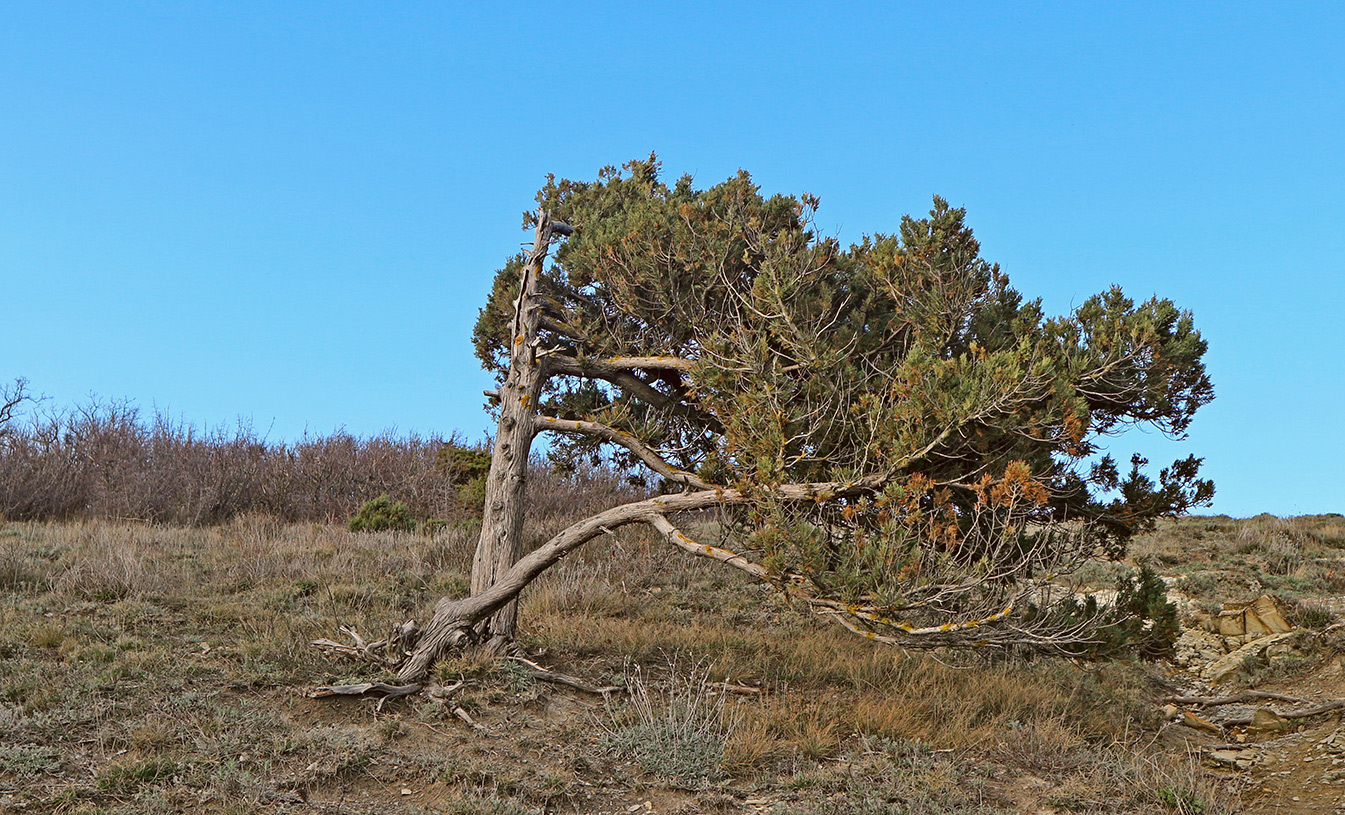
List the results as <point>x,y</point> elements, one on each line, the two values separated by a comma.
<point>1229,560</point>
<point>160,669</point>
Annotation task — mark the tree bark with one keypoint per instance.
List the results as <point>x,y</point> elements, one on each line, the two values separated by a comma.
<point>502,519</point>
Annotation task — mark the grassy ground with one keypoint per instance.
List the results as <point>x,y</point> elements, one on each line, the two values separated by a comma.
<point>1218,559</point>
<point>150,669</point>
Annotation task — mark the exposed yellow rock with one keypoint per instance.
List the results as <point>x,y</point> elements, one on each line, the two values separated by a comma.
<point>1265,720</point>
<point>1230,663</point>
<point>1192,720</point>
<point>1268,615</point>
<point>1259,618</point>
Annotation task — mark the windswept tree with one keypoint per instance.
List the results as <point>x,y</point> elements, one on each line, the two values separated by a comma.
<point>886,433</point>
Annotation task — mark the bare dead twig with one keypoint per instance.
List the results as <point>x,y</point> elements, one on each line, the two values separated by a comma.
<point>466,717</point>
<point>548,675</point>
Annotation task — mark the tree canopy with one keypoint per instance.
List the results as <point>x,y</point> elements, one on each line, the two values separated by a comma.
<point>888,431</point>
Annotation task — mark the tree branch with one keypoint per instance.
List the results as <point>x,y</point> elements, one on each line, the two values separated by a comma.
<point>564,329</point>
<point>655,363</point>
<point>677,538</point>
<point>621,376</point>
<point>842,611</point>
<point>11,396</point>
<point>626,440</point>
<point>452,617</point>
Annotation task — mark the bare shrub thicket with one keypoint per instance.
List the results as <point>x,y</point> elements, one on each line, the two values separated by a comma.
<point>108,460</point>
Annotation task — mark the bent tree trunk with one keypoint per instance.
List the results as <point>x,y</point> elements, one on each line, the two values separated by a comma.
<point>502,519</point>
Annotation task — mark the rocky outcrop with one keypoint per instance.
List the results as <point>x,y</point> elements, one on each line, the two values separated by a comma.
<point>1240,623</point>
<point>1229,663</point>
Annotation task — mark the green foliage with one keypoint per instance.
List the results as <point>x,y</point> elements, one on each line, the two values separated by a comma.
<point>381,514</point>
<point>1180,799</point>
<point>467,469</point>
<point>462,464</point>
<point>472,494</point>
<point>1140,621</point>
<point>125,779</point>
<point>28,759</point>
<point>1149,626</point>
<point>906,360</point>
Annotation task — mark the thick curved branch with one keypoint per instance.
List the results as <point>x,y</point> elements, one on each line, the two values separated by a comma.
<point>626,440</point>
<point>452,617</point>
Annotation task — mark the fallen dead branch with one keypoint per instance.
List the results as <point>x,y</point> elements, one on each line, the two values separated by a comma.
<point>440,693</point>
<point>744,690</point>
<point>391,650</point>
<point>1241,696</point>
<point>381,689</point>
<point>366,688</point>
<point>548,675</point>
<point>466,717</point>
<point>1250,696</point>
<point>1293,714</point>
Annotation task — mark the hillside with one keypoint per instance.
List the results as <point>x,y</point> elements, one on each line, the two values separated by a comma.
<point>159,669</point>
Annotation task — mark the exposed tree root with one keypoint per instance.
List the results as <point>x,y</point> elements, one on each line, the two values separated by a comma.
<point>395,652</point>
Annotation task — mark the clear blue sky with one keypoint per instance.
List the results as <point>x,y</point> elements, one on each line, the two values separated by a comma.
<point>291,212</point>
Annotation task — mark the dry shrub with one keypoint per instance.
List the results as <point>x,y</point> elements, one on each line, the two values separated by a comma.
<point>1048,746</point>
<point>675,728</point>
<point>752,744</point>
<point>780,728</point>
<point>105,460</point>
<point>20,568</point>
<point>1128,778</point>
<point>1280,542</point>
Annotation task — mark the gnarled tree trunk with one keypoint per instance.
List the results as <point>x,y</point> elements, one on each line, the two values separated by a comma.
<point>502,520</point>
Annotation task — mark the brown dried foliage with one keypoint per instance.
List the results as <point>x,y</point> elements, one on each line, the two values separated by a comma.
<point>107,460</point>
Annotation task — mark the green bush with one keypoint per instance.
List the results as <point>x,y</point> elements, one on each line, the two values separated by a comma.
<point>467,470</point>
<point>1148,621</point>
<point>381,514</point>
<point>1141,621</point>
<point>472,494</point>
<point>463,463</point>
